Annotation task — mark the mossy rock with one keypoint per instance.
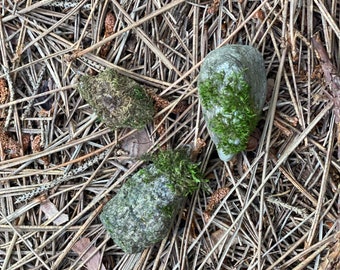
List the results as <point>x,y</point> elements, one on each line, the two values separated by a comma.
<point>143,210</point>
<point>232,89</point>
<point>117,100</point>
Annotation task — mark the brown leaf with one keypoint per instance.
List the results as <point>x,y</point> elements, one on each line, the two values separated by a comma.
<point>162,103</point>
<point>137,143</point>
<point>215,237</point>
<point>253,140</point>
<point>50,210</point>
<point>285,131</point>
<point>259,15</point>
<point>82,246</point>
<point>110,21</point>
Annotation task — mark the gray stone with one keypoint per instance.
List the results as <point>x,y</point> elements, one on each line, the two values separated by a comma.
<point>232,90</point>
<point>143,210</point>
<point>117,100</point>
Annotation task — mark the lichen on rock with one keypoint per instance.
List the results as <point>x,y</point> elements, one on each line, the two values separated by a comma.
<point>117,100</point>
<point>232,90</point>
<point>143,210</point>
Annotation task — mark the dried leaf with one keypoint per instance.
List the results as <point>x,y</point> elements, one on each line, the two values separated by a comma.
<point>82,246</point>
<point>46,113</point>
<point>214,237</point>
<point>253,140</point>
<point>285,131</point>
<point>110,21</point>
<point>50,210</point>
<point>259,15</point>
<point>161,129</point>
<point>137,144</point>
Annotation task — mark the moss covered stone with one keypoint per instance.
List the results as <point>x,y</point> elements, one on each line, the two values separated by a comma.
<point>142,212</point>
<point>117,100</point>
<point>232,90</point>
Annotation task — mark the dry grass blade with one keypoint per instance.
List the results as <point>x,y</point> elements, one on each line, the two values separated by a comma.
<point>275,207</point>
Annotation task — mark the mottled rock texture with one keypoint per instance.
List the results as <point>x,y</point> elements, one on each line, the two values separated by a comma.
<point>117,100</point>
<point>143,210</point>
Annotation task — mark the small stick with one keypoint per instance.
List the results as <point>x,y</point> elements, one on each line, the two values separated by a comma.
<point>61,179</point>
<point>35,87</point>
<point>11,96</point>
<point>332,79</point>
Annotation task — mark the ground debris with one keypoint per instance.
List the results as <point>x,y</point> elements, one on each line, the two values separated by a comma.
<point>4,92</point>
<point>332,80</point>
<point>332,260</point>
<point>8,146</point>
<point>216,198</point>
<point>92,261</point>
<point>110,21</point>
<point>4,95</point>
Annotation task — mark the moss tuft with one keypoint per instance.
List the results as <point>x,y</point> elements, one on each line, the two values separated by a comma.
<point>235,116</point>
<point>184,175</point>
<point>117,100</point>
<point>144,208</point>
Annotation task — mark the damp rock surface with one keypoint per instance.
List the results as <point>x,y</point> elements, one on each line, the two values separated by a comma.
<point>232,90</point>
<point>117,100</point>
<point>143,210</point>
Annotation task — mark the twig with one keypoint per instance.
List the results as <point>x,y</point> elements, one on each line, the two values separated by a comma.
<point>60,179</point>
<point>332,80</point>
<point>67,4</point>
<point>11,96</point>
<point>301,211</point>
<point>35,88</point>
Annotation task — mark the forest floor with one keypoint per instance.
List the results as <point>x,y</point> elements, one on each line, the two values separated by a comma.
<point>275,207</point>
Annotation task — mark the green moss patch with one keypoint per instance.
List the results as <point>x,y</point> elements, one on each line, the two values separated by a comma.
<point>235,116</point>
<point>184,175</point>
